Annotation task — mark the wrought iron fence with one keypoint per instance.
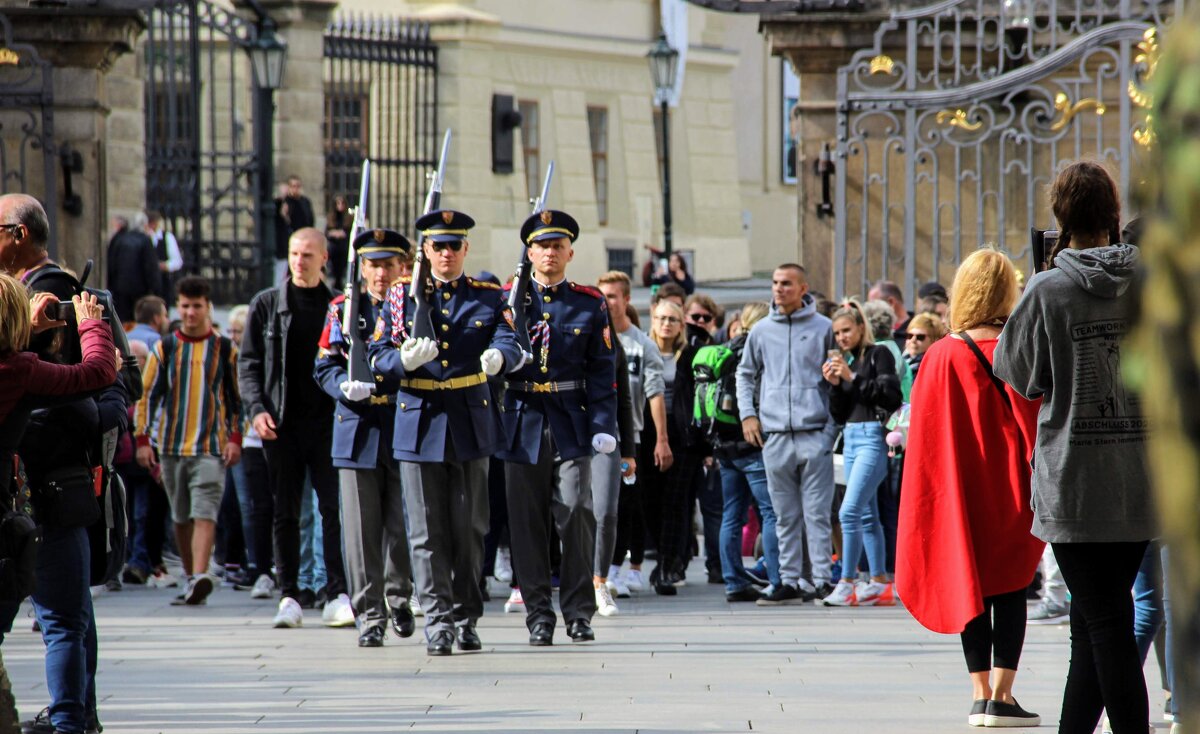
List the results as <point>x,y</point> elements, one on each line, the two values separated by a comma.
<point>381,100</point>
<point>201,167</point>
<point>27,150</point>
<point>952,126</point>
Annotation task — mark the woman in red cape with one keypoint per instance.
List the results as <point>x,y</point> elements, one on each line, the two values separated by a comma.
<point>965,553</point>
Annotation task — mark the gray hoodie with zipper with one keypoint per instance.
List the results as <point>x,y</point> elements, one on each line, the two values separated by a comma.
<point>779,378</point>
<point>1064,343</point>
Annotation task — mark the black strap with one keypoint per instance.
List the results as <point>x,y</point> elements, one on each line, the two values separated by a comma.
<point>987,366</point>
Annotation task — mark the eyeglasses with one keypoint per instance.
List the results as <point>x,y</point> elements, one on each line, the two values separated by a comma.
<point>700,318</point>
<point>11,227</point>
<point>918,337</point>
<point>454,245</point>
<point>668,319</point>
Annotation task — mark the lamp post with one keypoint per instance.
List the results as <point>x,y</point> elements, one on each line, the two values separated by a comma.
<point>664,63</point>
<point>267,56</point>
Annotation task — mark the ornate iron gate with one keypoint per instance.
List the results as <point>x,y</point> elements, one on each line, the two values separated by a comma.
<point>951,128</point>
<point>27,126</point>
<point>381,102</point>
<point>201,168</point>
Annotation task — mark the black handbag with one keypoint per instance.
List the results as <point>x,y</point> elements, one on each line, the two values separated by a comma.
<point>20,537</point>
<point>66,498</point>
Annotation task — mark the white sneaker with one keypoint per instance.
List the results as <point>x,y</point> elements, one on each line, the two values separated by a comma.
<point>503,571</point>
<point>415,605</point>
<point>874,594</point>
<point>633,579</point>
<point>842,595</point>
<point>264,587</point>
<point>162,580</point>
<point>290,614</point>
<point>604,602</point>
<point>338,612</point>
<point>616,587</point>
<point>515,603</point>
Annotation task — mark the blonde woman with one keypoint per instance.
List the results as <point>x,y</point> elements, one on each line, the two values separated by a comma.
<point>864,388</point>
<point>923,330</point>
<point>965,553</point>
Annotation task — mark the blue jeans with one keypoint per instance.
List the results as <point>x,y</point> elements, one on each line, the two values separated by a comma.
<point>138,488</point>
<point>245,500</point>
<point>312,548</point>
<point>865,455</point>
<point>1170,646</point>
<point>743,479</point>
<point>1148,600</point>
<point>63,605</point>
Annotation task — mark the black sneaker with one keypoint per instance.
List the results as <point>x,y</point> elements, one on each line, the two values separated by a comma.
<point>1000,714</point>
<point>819,593</point>
<point>748,593</point>
<point>782,594</point>
<point>978,709</point>
<point>306,598</point>
<point>39,724</point>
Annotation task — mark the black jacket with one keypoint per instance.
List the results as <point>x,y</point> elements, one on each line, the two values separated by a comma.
<point>875,388</point>
<point>132,270</point>
<point>262,361</point>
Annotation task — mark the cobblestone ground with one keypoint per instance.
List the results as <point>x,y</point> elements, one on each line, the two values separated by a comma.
<point>685,664</point>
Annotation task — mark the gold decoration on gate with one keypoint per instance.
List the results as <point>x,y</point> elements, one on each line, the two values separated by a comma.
<point>8,57</point>
<point>882,64</point>
<point>1068,111</point>
<point>957,118</point>
<point>1147,59</point>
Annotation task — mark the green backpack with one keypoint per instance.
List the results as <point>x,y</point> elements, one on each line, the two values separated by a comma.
<point>714,370</point>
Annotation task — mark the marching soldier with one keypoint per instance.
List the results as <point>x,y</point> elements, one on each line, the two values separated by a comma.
<point>374,537</point>
<point>558,409</point>
<point>447,424</point>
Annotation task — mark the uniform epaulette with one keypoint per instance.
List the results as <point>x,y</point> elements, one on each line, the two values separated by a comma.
<point>591,291</point>
<point>402,280</point>
<point>338,300</point>
<point>486,284</point>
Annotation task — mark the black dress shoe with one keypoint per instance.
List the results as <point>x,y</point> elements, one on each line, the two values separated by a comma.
<point>371,636</point>
<point>542,635</point>
<point>403,622</point>
<point>441,643</point>
<point>468,639</point>
<point>580,631</point>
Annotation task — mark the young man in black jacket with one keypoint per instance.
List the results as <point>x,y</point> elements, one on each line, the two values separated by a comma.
<point>291,413</point>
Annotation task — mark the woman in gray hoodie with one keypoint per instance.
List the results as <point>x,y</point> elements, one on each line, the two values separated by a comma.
<point>1091,490</point>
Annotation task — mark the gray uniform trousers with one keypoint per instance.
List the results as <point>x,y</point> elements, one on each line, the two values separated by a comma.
<point>606,490</point>
<point>375,541</point>
<point>447,519</point>
<point>562,491</point>
<point>800,481</point>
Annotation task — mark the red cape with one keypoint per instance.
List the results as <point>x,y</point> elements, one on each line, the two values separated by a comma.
<point>964,507</point>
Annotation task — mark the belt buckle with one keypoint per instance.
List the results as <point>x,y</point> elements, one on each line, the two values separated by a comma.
<point>543,387</point>
<point>379,400</point>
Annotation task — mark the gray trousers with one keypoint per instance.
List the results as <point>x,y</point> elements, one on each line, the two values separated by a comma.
<point>375,542</point>
<point>800,481</point>
<point>447,519</point>
<point>537,493</point>
<point>606,490</point>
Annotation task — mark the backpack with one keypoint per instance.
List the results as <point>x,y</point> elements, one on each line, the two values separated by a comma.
<point>109,536</point>
<point>130,374</point>
<point>714,370</point>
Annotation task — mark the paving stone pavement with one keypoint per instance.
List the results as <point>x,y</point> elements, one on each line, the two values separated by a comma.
<point>692,663</point>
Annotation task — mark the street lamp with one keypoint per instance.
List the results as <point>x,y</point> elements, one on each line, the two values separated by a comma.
<point>664,63</point>
<point>267,56</point>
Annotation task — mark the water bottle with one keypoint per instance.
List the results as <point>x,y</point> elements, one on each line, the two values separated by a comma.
<point>627,479</point>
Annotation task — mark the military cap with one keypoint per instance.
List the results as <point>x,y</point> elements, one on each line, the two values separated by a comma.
<point>548,225</point>
<point>377,244</point>
<point>445,225</point>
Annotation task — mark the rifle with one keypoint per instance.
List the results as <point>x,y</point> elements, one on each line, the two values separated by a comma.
<point>357,368</point>
<point>422,283</point>
<point>518,294</point>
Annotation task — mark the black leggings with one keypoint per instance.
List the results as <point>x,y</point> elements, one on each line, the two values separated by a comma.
<point>1106,669</point>
<point>995,637</point>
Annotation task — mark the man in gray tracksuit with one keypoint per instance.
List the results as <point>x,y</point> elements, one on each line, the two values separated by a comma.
<point>784,406</point>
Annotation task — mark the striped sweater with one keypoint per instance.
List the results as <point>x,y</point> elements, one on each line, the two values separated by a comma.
<point>196,387</point>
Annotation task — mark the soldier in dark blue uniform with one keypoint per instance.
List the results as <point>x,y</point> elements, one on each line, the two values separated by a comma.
<point>558,409</point>
<point>373,534</point>
<point>447,423</point>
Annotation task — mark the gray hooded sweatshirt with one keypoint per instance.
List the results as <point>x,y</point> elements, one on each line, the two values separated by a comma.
<point>1064,343</point>
<point>779,377</point>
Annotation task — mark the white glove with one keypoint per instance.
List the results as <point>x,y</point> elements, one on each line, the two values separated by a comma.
<point>356,390</point>
<point>526,358</point>
<point>491,361</point>
<point>416,352</point>
<point>604,443</point>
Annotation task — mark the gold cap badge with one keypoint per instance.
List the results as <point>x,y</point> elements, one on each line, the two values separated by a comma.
<point>447,217</point>
<point>547,218</point>
<point>379,236</point>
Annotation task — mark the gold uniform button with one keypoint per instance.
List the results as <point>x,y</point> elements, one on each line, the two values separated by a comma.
<point>445,327</point>
<point>478,323</point>
<point>546,315</point>
<point>546,299</point>
<point>378,378</point>
<point>545,369</point>
<point>577,332</point>
<point>445,363</point>
<point>403,406</point>
<point>339,419</point>
<point>445,345</point>
<point>485,403</point>
<point>445,312</point>
<point>446,296</point>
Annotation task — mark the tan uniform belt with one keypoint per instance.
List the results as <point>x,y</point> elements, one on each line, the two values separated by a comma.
<point>548,386</point>
<point>454,383</point>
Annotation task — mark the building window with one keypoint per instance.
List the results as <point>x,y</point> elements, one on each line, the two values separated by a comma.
<point>598,134</point>
<point>531,135</point>
<point>345,132</point>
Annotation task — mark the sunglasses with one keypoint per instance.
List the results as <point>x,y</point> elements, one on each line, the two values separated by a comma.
<point>700,318</point>
<point>918,337</point>
<point>667,319</point>
<point>453,246</point>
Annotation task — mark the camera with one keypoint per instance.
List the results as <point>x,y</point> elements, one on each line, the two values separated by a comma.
<point>1043,242</point>
<point>60,311</point>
